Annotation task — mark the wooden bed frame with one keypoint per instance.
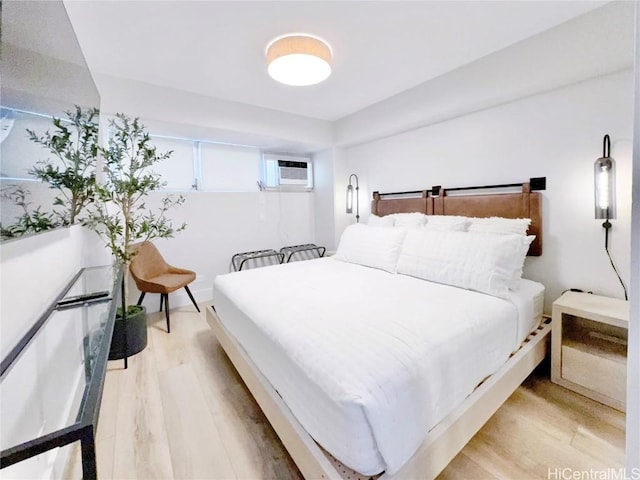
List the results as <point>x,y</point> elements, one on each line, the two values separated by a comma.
<point>446,439</point>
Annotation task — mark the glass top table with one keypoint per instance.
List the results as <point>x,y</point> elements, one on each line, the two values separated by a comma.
<point>51,382</point>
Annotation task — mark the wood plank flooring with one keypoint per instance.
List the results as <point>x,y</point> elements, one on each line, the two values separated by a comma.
<point>180,411</point>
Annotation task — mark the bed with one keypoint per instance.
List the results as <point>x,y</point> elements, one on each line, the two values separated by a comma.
<point>373,370</point>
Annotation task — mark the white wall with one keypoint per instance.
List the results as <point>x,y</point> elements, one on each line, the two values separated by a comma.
<point>222,224</point>
<point>174,112</point>
<point>341,179</point>
<point>323,169</point>
<point>556,134</point>
<point>42,263</point>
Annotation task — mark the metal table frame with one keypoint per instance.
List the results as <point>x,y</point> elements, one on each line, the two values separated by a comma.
<point>84,428</point>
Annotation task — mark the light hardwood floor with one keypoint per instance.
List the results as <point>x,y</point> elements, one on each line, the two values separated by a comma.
<point>181,411</point>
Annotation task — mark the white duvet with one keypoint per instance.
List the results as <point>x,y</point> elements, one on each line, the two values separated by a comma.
<point>366,360</point>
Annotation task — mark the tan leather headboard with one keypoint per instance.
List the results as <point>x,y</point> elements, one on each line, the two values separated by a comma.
<point>388,206</point>
<point>525,204</point>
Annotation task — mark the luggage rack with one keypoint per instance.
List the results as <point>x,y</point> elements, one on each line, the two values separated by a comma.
<point>307,247</point>
<point>239,259</point>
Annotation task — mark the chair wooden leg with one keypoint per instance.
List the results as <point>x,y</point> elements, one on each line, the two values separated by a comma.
<point>161,300</point>
<point>193,300</point>
<point>140,299</point>
<point>166,311</point>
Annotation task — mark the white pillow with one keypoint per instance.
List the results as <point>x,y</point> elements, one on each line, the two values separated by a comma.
<point>446,223</point>
<point>409,220</point>
<point>483,262</point>
<point>499,225</point>
<point>517,274</point>
<point>386,221</point>
<point>377,247</point>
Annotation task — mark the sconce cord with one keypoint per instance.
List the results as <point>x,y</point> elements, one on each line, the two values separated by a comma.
<point>607,227</point>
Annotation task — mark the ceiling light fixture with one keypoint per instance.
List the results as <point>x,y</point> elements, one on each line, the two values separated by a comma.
<point>299,59</point>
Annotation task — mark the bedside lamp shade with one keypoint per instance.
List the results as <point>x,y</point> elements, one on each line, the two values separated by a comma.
<point>604,173</point>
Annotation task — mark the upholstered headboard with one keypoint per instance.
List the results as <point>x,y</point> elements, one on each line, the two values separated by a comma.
<point>524,204</point>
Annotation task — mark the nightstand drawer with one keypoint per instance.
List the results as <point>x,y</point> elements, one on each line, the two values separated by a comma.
<point>602,375</point>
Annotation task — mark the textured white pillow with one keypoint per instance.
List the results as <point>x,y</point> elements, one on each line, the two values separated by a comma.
<point>517,274</point>
<point>500,225</point>
<point>483,262</point>
<point>377,247</point>
<point>446,223</point>
<point>376,221</point>
<point>409,220</point>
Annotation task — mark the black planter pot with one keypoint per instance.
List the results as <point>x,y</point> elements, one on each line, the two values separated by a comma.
<point>136,335</point>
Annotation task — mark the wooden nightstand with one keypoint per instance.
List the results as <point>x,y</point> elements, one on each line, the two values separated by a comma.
<point>589,346</point>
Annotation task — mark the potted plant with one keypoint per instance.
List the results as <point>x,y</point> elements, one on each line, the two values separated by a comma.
<point>121,218</point>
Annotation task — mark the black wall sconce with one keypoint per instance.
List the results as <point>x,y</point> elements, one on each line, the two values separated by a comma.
<point>604,175</point>
<point>350,196</point>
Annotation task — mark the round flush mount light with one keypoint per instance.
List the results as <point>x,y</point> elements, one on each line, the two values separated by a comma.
<point>299,59</point>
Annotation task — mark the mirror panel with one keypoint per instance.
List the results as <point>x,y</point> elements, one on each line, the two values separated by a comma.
<point>44,74</point>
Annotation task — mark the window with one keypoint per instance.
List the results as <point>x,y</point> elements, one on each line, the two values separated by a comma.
<point>229,168</point>
<point>217,167</point>
<point>178,171</point>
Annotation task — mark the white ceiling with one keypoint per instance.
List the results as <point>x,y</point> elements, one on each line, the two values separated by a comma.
<point>380,48</point>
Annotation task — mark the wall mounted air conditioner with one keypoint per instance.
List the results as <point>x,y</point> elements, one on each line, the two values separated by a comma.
<point>287,172</point>
<point>293,172</point>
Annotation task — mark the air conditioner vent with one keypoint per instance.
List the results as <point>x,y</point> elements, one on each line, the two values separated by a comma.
<point>293,173</point>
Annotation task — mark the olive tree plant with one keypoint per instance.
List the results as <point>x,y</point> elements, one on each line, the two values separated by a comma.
<point>120,215</point>
<point>74,144</point>
<point>71,171</point>
<point>31,220</point>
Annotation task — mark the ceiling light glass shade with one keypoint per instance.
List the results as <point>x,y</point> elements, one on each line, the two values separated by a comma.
<point>299,60</point>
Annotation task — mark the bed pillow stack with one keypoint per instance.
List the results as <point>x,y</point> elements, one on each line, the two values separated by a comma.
<point>409,220</point>
<point>499,225</point>
<point>371,246</point>
<point>446,223</point>
<point>385,221</point>
<point>482,254</point>
<point>420,220</point>
<point>455,223</point>
<point>483,262</point>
